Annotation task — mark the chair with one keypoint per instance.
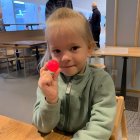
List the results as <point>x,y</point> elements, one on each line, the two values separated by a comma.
<point>120,121</point>
<point>24,56</point>
<point>100,66</point>
<point>39,52</point>
<point>6,56</point>
<point>97,62</point>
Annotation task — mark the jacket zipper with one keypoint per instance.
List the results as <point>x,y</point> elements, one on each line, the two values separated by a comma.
<point>67,107</point>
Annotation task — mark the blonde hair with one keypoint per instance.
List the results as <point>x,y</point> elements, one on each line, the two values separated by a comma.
<point>72,20</point>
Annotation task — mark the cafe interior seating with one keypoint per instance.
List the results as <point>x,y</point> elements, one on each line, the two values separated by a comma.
<point>41,51</point>
<point>25,59</point>
<point>7,57</point>
<point>17,58</point>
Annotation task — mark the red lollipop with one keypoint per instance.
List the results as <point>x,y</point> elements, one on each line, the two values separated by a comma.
<point>52,65</point>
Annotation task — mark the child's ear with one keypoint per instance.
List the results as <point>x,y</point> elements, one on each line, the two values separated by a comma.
<point>90,51</point>
<point>91,46</point>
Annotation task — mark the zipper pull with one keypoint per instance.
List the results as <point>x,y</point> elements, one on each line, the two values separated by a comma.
<point>68,89</point>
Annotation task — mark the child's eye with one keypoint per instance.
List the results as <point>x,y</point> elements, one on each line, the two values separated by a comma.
<point>75,48</point>
<point>56,51</point>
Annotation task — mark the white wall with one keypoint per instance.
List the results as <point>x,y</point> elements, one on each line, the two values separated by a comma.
<point>87,5</point>
<point>83,4</point>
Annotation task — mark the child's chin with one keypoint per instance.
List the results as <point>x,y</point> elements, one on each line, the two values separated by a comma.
<point>68,73</point>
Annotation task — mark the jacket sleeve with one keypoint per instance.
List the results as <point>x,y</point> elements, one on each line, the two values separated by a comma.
<point>103,113</point>
<point>45,116</point>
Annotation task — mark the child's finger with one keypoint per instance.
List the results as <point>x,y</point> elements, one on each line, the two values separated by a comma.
<point>42,69</point>
<point>43,83</point>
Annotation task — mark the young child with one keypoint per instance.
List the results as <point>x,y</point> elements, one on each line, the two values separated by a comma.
<point>77,99</point>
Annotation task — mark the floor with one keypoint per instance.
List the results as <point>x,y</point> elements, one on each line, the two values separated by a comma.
<point>18,95</point>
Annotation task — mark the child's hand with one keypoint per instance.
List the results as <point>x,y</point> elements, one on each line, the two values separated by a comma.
<point>48,84</point>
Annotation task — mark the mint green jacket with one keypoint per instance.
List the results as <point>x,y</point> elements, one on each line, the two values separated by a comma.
<point>86,106</point>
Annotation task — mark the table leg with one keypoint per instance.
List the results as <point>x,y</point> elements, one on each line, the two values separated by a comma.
<point>37,54</point>
<point>18,64</point>
<point>124,78</point>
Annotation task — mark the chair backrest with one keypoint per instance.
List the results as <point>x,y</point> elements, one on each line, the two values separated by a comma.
<point>97,62</point>
<point>6,56</point>
<point>120,121</point>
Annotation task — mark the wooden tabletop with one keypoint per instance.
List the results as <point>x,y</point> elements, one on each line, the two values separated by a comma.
<point>56,136</point>
<point>118,51</point>
<point>25,42</point>
<point>11,129</point>
<point>5,46</point>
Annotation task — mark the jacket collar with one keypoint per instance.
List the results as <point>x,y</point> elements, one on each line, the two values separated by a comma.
<point>94,8</point>
<point>76,78</point>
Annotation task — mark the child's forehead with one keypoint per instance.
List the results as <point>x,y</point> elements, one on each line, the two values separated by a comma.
<point>65,27</point>
<point>63,35</point>
<point>60,29</point>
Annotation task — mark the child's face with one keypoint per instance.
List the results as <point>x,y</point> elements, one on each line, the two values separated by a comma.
<point>69,49</point>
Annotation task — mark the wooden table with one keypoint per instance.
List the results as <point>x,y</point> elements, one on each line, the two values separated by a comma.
<point>11,129</point>
<point>124,52</point>
<point>119,51</point>
<point>25,43</point>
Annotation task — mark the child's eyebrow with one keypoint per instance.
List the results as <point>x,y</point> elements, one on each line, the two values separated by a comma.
<point>73,44</point>
<point>54,47</point>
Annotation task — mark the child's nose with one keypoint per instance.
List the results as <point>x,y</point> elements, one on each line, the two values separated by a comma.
<point>66,56</point>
